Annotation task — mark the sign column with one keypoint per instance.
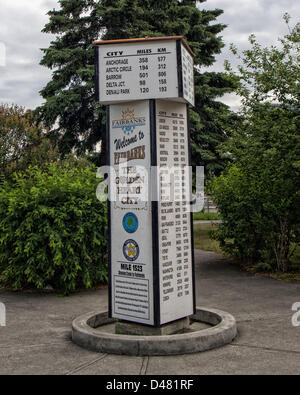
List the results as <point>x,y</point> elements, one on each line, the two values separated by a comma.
<point>148,85</point>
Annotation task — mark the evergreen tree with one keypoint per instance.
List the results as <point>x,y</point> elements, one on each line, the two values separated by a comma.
<point>70,104</point>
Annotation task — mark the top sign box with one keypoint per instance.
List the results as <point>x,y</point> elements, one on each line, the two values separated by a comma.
<point>145,68</point>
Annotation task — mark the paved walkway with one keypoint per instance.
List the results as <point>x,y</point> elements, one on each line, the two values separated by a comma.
<point>37,340</point>
<point>212,221</point>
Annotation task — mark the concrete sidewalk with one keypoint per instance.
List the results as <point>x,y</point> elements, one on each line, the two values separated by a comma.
<point>37,338</point>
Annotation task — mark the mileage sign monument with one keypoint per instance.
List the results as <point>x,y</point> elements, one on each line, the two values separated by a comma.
<point>148,85</point>
<point>138,69</point>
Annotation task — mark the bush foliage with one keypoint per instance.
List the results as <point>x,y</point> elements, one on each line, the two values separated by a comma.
<point>23,142</point>
<point>53,229</point>
<point>258,196</point>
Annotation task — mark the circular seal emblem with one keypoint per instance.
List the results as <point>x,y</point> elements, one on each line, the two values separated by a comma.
<point>130,223</point>
<point>131,250</point>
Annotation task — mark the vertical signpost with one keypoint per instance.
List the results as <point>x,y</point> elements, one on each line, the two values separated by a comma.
<point>148,85</point>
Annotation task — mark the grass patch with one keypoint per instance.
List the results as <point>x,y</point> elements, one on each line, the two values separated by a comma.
<point>203,240</point>
<point>289,277</point>
<point>206,216</point>
<point>293,274</point>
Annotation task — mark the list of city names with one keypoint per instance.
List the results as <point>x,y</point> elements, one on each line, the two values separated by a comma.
<point>175,250</point>
<point>137,71</point>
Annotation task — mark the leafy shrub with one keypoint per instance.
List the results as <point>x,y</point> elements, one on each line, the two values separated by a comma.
<point>258,196</point>
<point>260,213</point>
<point>53,229</point>
<point>23,142</point>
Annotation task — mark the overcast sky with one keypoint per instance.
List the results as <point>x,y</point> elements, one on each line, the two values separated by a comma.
<point>21,22</point>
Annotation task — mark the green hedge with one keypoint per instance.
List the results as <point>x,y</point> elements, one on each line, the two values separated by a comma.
<point>53,230</point>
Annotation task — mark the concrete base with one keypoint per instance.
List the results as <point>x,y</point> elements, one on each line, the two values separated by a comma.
<point>130,328</point>
<point>90,331</point>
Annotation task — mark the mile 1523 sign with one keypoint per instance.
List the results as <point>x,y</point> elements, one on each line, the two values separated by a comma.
<point>150,68</point>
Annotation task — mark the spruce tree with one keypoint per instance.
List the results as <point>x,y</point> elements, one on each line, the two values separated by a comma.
<point>70,107</point>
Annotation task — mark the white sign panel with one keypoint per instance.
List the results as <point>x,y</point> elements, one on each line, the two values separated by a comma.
<point>146,69</point>
<point>188,76</point>
<point>151,256</point>
<point>131,271</point>
<point>174,222</point>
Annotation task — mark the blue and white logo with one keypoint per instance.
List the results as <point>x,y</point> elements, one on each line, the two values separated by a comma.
<point>130,223</point>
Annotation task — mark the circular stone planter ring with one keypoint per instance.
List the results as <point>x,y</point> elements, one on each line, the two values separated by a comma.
<point>88,331</point>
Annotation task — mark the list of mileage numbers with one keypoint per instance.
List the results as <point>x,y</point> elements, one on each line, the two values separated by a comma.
<point>174,222</point>
<point>137,71</point>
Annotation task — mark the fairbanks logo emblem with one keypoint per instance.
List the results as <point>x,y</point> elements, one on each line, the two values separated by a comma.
<point>129,122</point>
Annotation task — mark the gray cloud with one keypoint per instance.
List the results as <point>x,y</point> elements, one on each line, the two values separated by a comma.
<point>22,78</point>
<point>20,31</point>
